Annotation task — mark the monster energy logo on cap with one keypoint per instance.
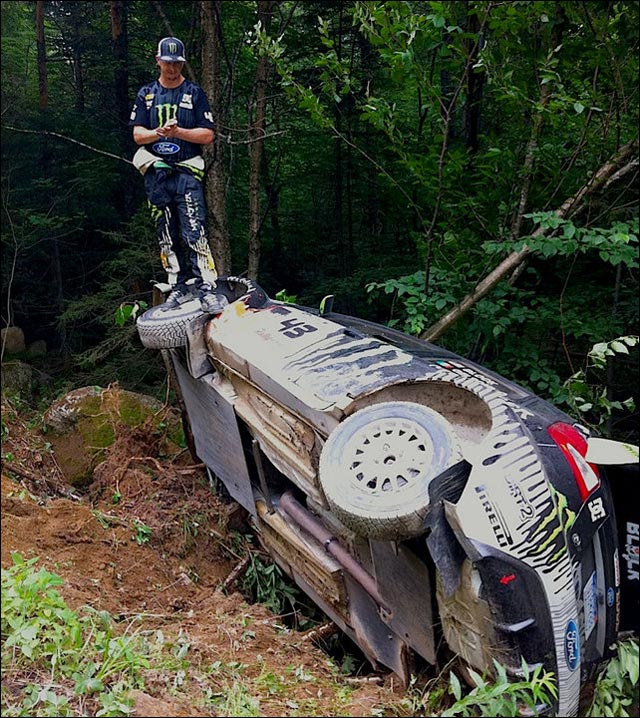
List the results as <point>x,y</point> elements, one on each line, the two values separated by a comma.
<point>170,49</point>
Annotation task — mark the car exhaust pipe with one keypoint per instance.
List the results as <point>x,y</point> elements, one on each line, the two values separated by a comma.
<point>312,525</point>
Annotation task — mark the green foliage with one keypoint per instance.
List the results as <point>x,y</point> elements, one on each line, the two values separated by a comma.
<point>72,657</point>
<point>237,701</point>
<point>265,582</point>
<point>418,309</point>
<point>65,653</point>
<point>142,532</point>
<point>617,686</point>
<point>501,696</point>
<point>126,312</point>
<point>233,699</point>
<point>282,296</point>
<point>586,390</point>
<point>617,245</point>
<point>600,352</point>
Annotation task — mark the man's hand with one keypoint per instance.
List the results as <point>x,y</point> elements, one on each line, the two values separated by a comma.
<point>169,129</point>
<point>197,135</point>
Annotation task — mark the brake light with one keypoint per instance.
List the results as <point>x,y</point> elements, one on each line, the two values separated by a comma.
<point>574,447</point>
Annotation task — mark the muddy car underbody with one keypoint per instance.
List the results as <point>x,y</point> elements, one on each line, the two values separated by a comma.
<point>410,493</point>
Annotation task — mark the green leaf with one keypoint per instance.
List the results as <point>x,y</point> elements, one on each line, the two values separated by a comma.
<point>454,683</point>
<point>123,313</point>
<point>619,347</point>
<point>578,107</point>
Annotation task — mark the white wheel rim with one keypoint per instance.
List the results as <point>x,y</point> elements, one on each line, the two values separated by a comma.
<point>388,456</point>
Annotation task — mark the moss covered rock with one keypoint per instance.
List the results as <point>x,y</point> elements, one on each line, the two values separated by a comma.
<point>87,421</point>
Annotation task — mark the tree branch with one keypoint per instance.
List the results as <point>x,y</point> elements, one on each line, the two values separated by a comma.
<point>68,139</point>
<point>571,206</point>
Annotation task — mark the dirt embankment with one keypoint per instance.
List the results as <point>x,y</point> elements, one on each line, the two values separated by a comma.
<point>148,541</point>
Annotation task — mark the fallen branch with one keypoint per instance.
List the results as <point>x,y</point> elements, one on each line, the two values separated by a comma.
<point>572,205</point>
<point>192,468</point>
<point>323,631</point>
<point>28,476</point>
<point>359,680</point>
<point>20,472</point>
<point>238,571</point>
<point>188,469</point>
<point>110,519</point>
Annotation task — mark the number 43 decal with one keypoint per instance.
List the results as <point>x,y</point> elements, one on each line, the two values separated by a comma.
<point>293,328</point>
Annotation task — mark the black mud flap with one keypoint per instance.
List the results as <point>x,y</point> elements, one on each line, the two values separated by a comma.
<point>405,585</point>
<point>216,434</point>
<point>378,641</point>
<point>446,552</point>
<point>623,482</point>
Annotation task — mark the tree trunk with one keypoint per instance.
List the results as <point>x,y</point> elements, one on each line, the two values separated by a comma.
<point>475,83</point>
<point>337,192</point>
<point>119,22</point>
<point>121,74</point>
<point>256,136</point>
<point>610,384</point>
<point>42,56</point>
<point>78,72</point>
<point>215,190</point>
<point>272,189</point>
<point>614,167</point>
<point>56,266</point>
<point>338,178</point>
<point>349,188</point>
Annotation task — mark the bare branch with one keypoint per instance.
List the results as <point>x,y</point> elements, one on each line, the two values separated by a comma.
<point>68,139</point>
<point>262,135</point>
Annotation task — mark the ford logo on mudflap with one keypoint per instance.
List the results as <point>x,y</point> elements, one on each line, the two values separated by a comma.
<point>572,645</point>
<point>166,148</point>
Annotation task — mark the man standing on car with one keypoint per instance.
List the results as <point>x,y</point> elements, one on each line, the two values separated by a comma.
<point>172,122</point>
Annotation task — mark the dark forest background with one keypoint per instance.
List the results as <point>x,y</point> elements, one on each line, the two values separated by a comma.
<point>466,171</point>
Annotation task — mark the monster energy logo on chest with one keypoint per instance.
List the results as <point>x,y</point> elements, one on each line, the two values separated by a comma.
<point>166,112</point>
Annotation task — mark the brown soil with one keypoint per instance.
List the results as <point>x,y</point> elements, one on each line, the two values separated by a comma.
<point>173,581</point>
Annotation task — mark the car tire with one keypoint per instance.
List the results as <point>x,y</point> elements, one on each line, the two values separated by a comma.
<point>162,328</point>
<point>375,468</point>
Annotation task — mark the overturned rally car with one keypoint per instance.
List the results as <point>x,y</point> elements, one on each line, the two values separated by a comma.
<point>410,493</point>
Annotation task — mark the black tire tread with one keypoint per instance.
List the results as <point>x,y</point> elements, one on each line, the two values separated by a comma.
<point>167,329</point>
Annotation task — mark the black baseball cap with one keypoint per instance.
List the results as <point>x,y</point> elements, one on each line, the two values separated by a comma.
<point>170,49</point>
